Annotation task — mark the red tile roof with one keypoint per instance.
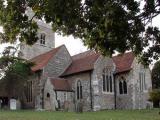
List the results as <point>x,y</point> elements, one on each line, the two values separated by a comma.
<point>41,60</point>
<point>60,84</point>
<point>84,54</point>
<point>82,62</point>
<point>123,62</point>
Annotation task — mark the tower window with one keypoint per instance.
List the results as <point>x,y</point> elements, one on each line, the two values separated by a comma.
<point>48,95</point>
<point>42,39</point>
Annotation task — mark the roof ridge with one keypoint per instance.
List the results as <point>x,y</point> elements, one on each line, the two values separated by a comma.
<point>47,52</point>
<point>121,54</point>
<point>81,64</point>
<point>84,54</point>
<point>53,78</point>
<point>123,61</point>
<point>85,57</point>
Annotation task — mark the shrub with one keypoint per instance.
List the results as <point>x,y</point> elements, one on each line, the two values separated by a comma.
<point>155,97</point>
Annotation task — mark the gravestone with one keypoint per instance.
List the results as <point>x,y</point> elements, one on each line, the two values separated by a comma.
<point>13,104</point>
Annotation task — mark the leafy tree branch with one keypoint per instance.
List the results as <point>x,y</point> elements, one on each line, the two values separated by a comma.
<point>104,25</point>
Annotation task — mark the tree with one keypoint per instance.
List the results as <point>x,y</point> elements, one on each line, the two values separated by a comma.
<point>155,97</point>
<point>104,25</point>
<point>156,75</point>
<point>155,94</point>
<point>14,72</point>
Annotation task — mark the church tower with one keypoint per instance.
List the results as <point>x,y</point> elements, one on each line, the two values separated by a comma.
<point>45,43</point>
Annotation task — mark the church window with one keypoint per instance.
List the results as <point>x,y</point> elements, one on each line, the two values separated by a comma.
<point>110,78</point>
<point>42,39</point>
<point>104,83</point>
<point>28,91</point>
<point>142,81</point>
<point>122,86</point>
<point>107,81</point>
<point>79,90</point>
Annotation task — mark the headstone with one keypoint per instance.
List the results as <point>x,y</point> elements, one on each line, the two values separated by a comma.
<point>79,106</point>
<point>13,105</point>
<point>18,104</point>
<point>0,103</point>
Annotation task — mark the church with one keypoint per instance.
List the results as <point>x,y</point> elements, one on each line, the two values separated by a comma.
<point>86,81</point>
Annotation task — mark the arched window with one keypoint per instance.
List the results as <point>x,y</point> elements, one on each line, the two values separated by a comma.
<point>79,90</point>
<point>42,38</point>
<point>28,91</point>
<point>122,86</point>
<point>142,81</point>
<point>110,83</point>
<point>125,87</point>
<point>107,80</point>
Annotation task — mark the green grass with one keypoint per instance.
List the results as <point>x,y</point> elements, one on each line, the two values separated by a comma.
<point>102,115</point>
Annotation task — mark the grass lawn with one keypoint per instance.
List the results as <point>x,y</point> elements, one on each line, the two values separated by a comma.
<point>102,115</point>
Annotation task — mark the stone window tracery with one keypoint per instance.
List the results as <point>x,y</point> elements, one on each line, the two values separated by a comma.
<point>107,81</point>
<point>142,81</point>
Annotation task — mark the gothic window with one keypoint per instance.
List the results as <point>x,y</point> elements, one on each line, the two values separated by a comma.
<point>107,81</point>
<point>110,83</point>
<point>42,39</point>
<point>122,86</point>
<point>104,83</point>
<point>125,87</point>
<point>79,90</point>
<point>28,91</point>
<point>142,81</point>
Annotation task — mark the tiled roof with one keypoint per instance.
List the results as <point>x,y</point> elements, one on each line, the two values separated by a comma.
<point>60,84</point>
<point>82,62</point>
<point>83,54</point>
<point>123,62</point>
<point>41,60</point>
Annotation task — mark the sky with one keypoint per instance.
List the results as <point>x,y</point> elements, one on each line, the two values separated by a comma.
<point>73,45</point>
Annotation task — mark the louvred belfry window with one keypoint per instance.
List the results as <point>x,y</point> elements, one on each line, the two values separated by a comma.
<point>42,39</point>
